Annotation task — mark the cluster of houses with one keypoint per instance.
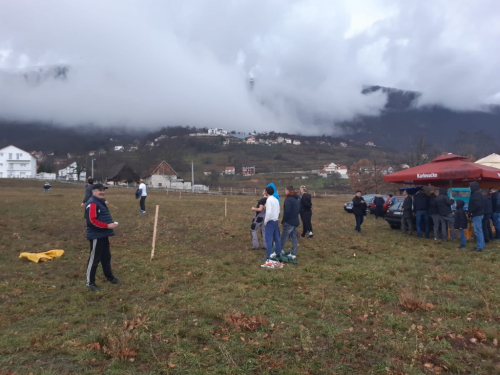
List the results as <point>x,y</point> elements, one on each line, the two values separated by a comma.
<point>246,170</point>
<point>17,163</point>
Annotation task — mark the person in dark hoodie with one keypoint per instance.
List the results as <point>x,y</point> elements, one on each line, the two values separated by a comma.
<point>434,214</point>
<point>290,221</point>
<point>421,204</point>
<point>476,212</point>
<point>359,210</point>
<point>495,202</point>
<point>306,212</point>
<point>88,191</point>
<point>407,220</point>
<point>379,206</point>
<point>443,204</point>
<point>461,221</point>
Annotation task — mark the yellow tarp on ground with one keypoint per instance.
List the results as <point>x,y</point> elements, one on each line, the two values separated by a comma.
<point>37,257</point>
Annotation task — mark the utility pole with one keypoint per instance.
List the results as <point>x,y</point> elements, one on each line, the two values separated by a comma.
<point>93,167</point>
<point>192,176</point>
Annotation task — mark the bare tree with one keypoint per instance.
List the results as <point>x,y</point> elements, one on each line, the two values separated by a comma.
<point>365,176</point>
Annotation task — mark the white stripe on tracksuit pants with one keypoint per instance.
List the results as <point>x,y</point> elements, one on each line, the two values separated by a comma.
<point>99,253</point>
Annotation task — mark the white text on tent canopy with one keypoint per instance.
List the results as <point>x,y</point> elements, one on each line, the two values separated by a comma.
<point>427,175</point>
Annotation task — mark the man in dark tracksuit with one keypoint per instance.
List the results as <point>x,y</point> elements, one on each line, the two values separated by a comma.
<point>407,214</point>
<point>379,206</point>
<point>359,210</point>
<point>476,211</point>
<point>488,211</point>
<point>100,227</point>
<point>443,203</point>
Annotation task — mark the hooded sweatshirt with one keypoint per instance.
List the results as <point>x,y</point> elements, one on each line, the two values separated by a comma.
<point>476,200</point>
<point>460,217</point>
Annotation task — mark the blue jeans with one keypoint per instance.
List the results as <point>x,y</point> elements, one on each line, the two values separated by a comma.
<point>462,237</point>
<point>359,221</point>
<point>496,224</point>
<point>422,215</point>
<point>272,232</point>
<point>478,231</point>
<point>289,231</point>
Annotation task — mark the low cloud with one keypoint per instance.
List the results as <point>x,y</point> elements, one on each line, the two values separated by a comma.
<point>149,64</point>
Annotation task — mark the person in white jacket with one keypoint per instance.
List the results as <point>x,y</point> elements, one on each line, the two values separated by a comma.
<point>144,195</point>
<point>272,229</point>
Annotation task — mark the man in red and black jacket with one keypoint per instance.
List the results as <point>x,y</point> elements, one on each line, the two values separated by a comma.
<point>100,227</point>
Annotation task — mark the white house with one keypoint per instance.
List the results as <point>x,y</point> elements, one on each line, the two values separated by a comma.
<point>70,173</point>
<point>342,169</point>
<point>296,142</point>
<point>163,175</point>
<point>329,168</point>
<point>280,139</point>
<point>119,148</point>
<point>250,140</point>
<point>46,176</point>
<point>370,144</point>
<point>343,144</point>
<point>16,163</point>
<point>288,141</point>
<point>323,174</point>
<point>229,170</point>
<point>217,131</point>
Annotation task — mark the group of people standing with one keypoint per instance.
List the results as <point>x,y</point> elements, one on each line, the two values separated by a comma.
<point>266,219</point>
<point>482,209</point>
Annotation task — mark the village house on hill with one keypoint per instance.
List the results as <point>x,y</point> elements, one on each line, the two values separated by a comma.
<point>229,171</point>
<point>121,173</point>
<point>70,173</point>
<point>162,175</point>
<point>16,163</point>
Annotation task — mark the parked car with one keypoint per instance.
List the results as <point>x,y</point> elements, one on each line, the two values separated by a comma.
<point>394,214</point>
<point>368,198</point>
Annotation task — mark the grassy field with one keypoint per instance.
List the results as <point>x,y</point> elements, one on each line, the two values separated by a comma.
<point>371,303</point>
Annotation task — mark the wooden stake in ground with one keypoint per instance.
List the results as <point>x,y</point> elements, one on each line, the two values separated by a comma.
<point>154,234</point>
<point>225,207</point>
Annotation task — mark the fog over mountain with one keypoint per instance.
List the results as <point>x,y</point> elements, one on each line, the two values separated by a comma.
<point>296,66</point>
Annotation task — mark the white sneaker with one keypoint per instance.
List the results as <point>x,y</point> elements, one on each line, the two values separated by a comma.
<point>273,255</point>
<point>293,256</point>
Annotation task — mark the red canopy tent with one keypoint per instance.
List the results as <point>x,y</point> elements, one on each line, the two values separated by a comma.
<point>447,170</point>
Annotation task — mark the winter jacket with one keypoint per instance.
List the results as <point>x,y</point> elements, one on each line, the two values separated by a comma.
<point>460,216</point>
<point>379,202</point>
<point>305,202</point>
<point>98,217</point>
<point>358,208</point>
<point>291,209</point>
<point>476,200</point>
<point>88,193</point>
<point>443,202</point>
<point>407,206</point>
<point>494,201</point>
<point>432,204</point>
<point>487,204</point>
<point>421,202</point>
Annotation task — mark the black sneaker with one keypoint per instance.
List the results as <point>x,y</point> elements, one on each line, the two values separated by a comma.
<point>476,249</point>
<point>93,287</point>
<point>114,281</point>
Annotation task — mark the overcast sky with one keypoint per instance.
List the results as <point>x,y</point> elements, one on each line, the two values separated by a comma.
<point>153,63</point>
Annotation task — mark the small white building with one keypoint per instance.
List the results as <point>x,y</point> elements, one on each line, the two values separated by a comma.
<point>330,168</point>
<point>370,144</point>
<point>119,148</point>
<point>323,174</point>
<point>280,139</point>
<point>16,163</point>
<point>217,131</point>
<point>46,176</point>
<point>343,144</point>
<point>296,142</point>
<point>288,141</point>
<point>70,173</point>
<point>229,171</point>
